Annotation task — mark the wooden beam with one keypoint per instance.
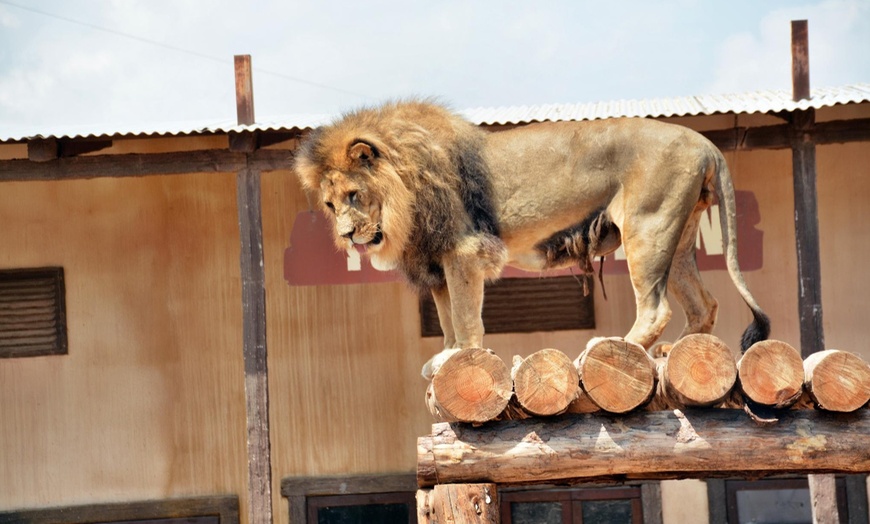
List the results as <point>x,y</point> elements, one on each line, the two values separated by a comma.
<point>244,142</point>
<point>73,147</point>
<point>254,347</point>
<point>225,508</point>
<point>244,90</point>
<point>145,164</point>
<point>644,445</point>
<point>42,149</point>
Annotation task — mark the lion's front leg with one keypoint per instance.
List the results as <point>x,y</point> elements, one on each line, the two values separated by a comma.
<point>445,316</point>
<point>465,279</point>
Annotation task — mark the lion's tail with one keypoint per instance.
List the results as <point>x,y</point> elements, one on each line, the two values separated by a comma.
<point>760,327</point>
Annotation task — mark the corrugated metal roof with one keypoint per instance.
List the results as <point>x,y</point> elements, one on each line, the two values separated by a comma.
<point>165,129</point>
<point>756,102</point>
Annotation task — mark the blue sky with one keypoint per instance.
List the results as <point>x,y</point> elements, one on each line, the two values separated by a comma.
<point>118,64</point>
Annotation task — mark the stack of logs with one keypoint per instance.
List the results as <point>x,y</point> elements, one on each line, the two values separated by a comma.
<point>615,376</point>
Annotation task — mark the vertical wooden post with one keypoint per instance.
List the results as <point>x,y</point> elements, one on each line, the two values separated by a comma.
<point>254,347</point>
<point>805,199</point>
<point>800,60</point>
<point>823,493</point>
<point>244,90</point>
<point>458,504</point>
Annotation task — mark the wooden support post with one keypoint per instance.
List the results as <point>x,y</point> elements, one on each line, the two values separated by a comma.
<point>644,445</point>
<point>807,236</point>
<point>244,90</point>
<point>807,233</point>
<point>458,504</point>
<point>254,347</point>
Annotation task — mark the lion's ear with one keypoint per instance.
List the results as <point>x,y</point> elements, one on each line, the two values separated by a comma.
<point>362,152</point>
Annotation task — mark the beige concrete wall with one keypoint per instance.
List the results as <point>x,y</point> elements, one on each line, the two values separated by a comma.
<point>149,402</point>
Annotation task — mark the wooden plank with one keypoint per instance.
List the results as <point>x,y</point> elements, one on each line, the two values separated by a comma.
<point>244,90</point>
<point>144,164</point>
<point>644,445</point>
<point>226,508</point>
<point>254,347</point>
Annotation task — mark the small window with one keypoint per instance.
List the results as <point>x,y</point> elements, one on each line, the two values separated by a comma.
<point>589,506</point>
<point>525,305</point>
<point>384,508</point>
<point>777,501</point>
<point>32,312</point>
<point>388,499</point>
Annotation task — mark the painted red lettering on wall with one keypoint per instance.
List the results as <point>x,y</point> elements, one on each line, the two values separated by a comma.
<point>313,260</point>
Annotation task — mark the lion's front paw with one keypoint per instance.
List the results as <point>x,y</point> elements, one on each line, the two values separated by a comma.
<point>435,363</point>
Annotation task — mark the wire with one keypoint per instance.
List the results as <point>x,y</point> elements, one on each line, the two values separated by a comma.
<point>177,49</point>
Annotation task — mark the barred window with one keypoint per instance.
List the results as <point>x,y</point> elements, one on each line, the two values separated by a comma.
<point>32,312</point>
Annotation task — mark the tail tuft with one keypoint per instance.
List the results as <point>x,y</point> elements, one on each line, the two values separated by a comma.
<point>756,332</point>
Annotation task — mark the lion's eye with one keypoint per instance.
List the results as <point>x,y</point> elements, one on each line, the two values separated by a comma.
<point>330,206</point>
<point>351,197</point>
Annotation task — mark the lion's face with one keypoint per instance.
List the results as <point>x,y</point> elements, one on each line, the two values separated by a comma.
<point>360,190</point>
<point>355,211</point>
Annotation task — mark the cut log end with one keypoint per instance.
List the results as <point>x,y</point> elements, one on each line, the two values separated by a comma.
<point>618,376</point>
<point>700,370</point>
<point>771,373</point>
<point>473,385</point>
<point>837,380</point>
<point>545,382</point>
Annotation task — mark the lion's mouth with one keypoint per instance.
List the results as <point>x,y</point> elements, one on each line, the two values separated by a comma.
<point>375,241</point>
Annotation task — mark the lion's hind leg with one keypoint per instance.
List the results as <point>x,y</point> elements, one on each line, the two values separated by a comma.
<point>685,282</point>
<point>648,266</point>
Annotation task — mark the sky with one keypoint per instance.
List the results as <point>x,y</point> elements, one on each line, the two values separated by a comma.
<point>113,65</point>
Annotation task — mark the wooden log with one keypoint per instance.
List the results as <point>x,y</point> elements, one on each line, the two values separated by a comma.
<point>473,385</point>
<point>618,376</point>
<point>700,370</point>
<point>545,382</point>
<point>837,380</point>
<point>582,404</point>
<point>644,445</point>
<point>771,373</point>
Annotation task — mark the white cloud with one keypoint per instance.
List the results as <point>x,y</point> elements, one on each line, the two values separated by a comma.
<point>839,36</point>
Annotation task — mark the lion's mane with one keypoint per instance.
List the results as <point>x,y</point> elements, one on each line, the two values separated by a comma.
<point>429,177</point>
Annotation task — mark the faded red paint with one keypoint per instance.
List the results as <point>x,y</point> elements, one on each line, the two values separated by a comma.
<point>313,260</point>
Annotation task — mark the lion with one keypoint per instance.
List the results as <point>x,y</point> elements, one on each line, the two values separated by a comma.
<point>418,188</point>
